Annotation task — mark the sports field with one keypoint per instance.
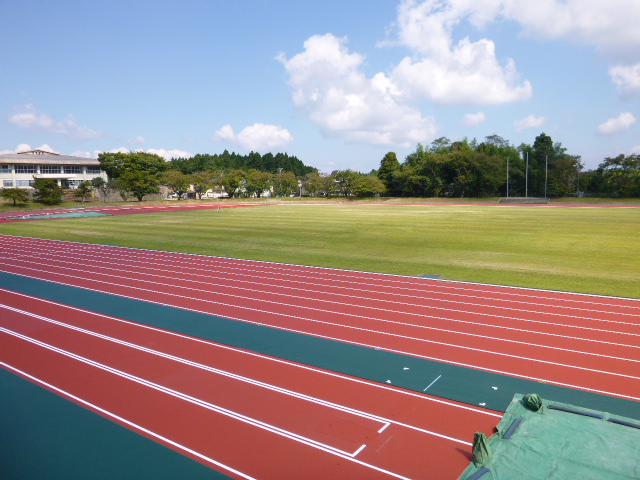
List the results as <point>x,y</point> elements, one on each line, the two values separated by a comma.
<point>575,249</point>
<point>153,363</point>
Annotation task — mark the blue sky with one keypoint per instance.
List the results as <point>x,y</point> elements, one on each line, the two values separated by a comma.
<point>336,83</point>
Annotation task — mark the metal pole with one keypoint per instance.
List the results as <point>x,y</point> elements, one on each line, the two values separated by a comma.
<point>507,178</point>
<point>526,178</point>
<point>546,169</point>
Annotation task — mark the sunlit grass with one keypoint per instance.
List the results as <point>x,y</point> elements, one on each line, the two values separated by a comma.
<point>590,250</point>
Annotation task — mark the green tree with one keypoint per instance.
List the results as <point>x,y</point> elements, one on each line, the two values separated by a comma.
<point>257,182</point>
<point>232,181</point>
<point>117,164</point>
<point>16,195</point>
<point>139,183</point>
<point>201,181</point>
<point>312,183</point>
<point>367,186</point>
<point>285,183</point>
<point>176,181</point>
<point>622,175</point>
<point>83,190</point>
<point>389,165</point>
<point>47,191</point>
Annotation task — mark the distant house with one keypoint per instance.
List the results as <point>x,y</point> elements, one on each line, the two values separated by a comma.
<point>20,169</point>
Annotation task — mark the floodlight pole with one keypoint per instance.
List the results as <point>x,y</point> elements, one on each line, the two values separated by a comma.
<point>507,177</point>
<point>526,178</point>
<point>546,169</point>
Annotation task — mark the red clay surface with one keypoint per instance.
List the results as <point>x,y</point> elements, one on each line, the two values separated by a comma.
<point>300,417</point>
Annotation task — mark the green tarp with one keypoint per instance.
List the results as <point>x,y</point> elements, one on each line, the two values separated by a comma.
<point>559,442</point>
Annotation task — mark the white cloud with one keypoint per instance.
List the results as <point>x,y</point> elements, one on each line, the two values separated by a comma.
<point>627,79</point>
<point>169,154</point>
<point>136,141</point>
<point>166,154</point>
<point>467,73</point>
<point>80,153</point>
<point>426,27</point>
<point>473,119</point>
<point>616,125</point>
<point>25,147</point>
<point>530,121</point>
<point>328,85</point>
<point>29,118</point>
<point>257,137</point>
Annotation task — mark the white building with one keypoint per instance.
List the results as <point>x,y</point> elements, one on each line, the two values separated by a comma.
<point>20,169</point>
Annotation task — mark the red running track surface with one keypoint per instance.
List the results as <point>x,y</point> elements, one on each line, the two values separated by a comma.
<point>241,413</point>
<point>585,342</point>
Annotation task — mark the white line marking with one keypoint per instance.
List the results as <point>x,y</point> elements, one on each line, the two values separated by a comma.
<point>207,405</point>
<point>264,357</point>
<point>127,422</point>
<point>384,427</point>
<point>359,450</point>
<point>429,386</point>
<point>342,408</point>
<point>425,340</point>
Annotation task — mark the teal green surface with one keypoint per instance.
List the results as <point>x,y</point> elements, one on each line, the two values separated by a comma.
<point>45,436</point>
<point>467,385</point>
<point>561,445</point>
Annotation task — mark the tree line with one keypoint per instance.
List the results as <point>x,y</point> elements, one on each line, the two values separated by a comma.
<point>494,167</point>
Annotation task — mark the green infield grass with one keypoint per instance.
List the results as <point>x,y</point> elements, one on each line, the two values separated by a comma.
<point>579,249</point>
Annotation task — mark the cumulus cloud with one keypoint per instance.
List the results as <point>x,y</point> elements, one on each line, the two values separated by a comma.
<point>257,137</point>
<point>166,154</point>
<point>473,119</point>
<point>616,125</point>
<point>25,147</point>
<point>465,73</point>
<point>627,79</point>
<point>29,118</point>
<point>328,84</point>
<point>530,121</point>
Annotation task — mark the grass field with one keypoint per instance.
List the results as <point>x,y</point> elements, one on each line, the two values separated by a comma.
<point>590,250</point>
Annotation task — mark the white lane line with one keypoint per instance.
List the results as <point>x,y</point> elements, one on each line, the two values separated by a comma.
<point>263,357</point>
<point>351,327</point>
<point>375,418</point>
<point>302,271</point>
<point>396,312</point>
<point>207,368</point>
<point>237,306</point>
<point>201,403</point>
<point>225,266</point>
<point>431,384</point>
<point>127,422</point>
<point>155,274</point>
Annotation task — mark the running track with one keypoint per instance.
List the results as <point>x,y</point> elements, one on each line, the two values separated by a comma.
<point>297,416</point>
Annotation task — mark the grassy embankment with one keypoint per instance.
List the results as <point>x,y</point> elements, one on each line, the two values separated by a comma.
<point>590,250</point>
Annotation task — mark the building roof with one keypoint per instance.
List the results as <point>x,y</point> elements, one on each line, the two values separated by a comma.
<point>43,157</point>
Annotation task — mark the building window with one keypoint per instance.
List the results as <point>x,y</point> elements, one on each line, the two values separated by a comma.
<point>24,183</point>
<point>49,168</point>
<point>25,169</point>
<point>5,168</point>
<point>72,169</point>
<point>7,183</point>
<point>73,183</point>
<point>93,170</point>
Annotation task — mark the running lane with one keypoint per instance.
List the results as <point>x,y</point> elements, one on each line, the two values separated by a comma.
<point>244,414</point>
<point>586,342</point>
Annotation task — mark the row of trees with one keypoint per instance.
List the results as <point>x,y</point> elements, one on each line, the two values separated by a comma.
<point>496,168</point>
<point>488,169</point>
<point>280,162</point>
